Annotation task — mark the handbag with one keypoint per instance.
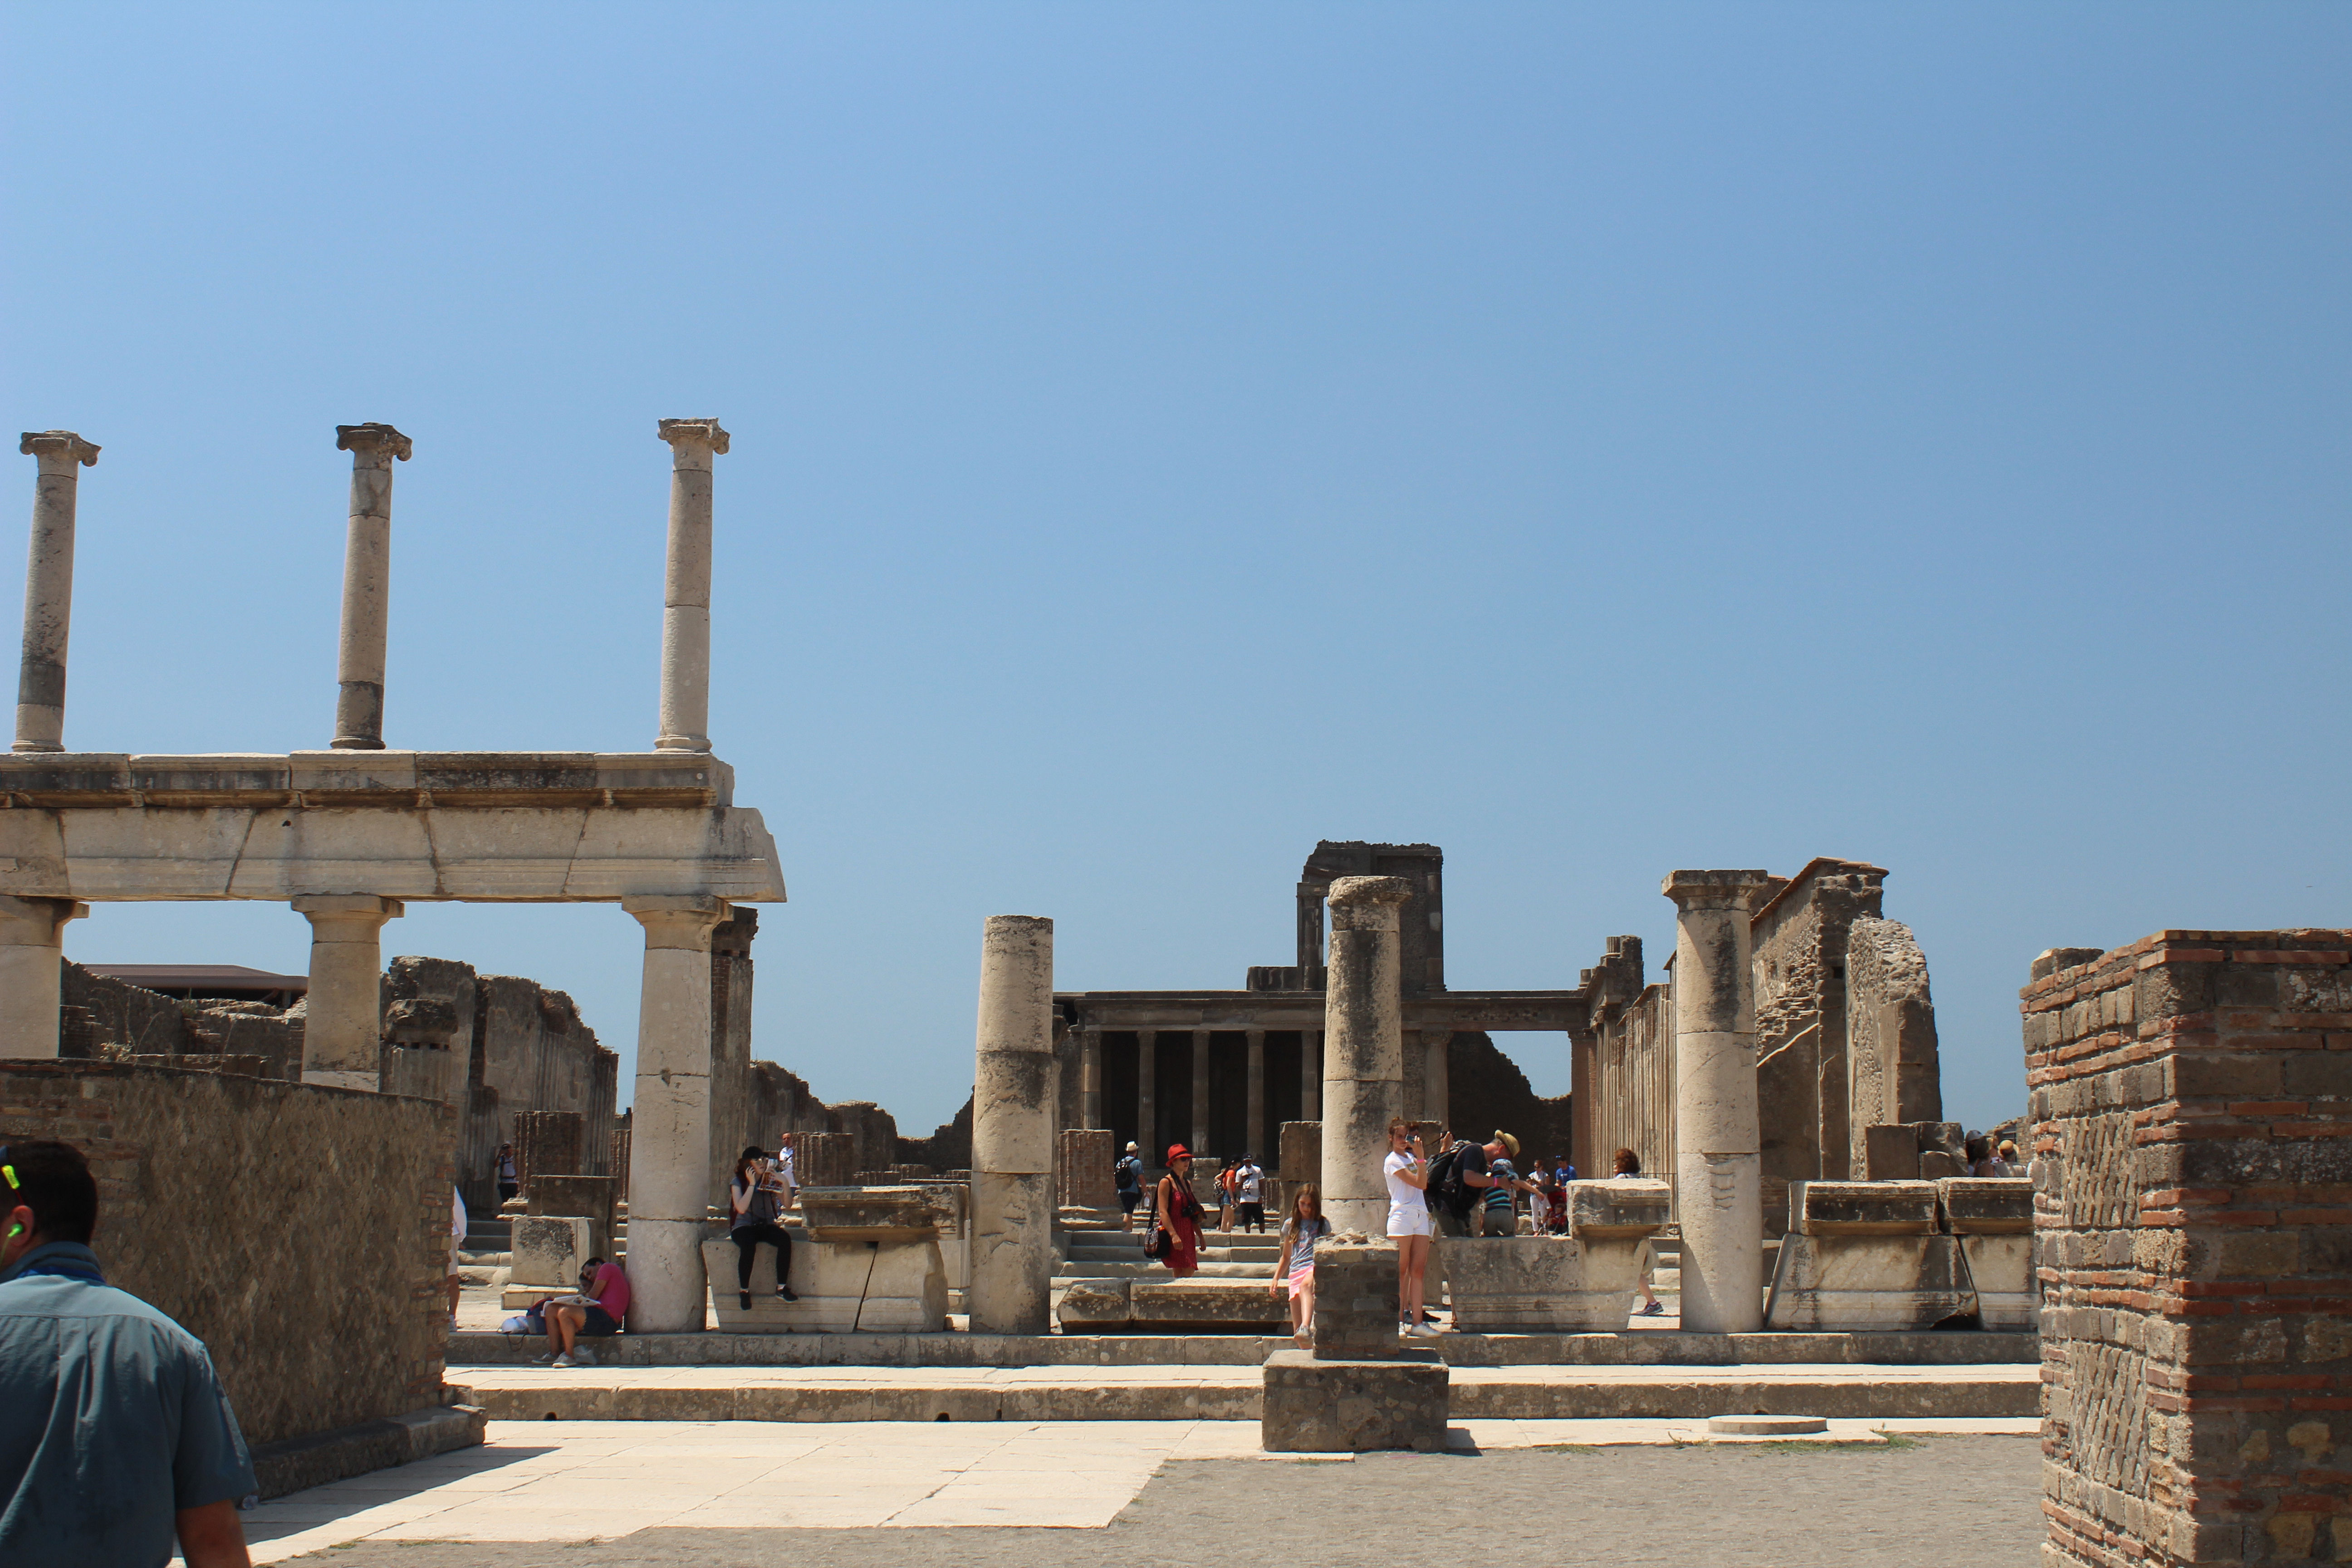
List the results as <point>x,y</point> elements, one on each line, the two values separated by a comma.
<point>1156,1240</point>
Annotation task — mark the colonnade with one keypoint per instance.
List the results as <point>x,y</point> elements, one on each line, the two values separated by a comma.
<point>1093,1114</point>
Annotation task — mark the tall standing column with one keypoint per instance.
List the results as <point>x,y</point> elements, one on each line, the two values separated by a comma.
<point>669,1141</point>
<point>1012,1129</point>
<point>1310,1074</point>
<point>367,584</point>
<point>1363,1049</point>
<point>342,1042</point>
<point>1090,1105</point>
<point>1718,1171</point>
<point>48,589</point>
<point>686,586</point>
<point>1201,1091</point>
<point>1146,1096</point>
<point>1584,1102</point>
<point>1254,1145</point>
<point>1436,1082</point>
<point>31,933</point>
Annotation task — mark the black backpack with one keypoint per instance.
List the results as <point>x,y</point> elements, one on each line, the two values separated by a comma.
<point>1445,1184</point>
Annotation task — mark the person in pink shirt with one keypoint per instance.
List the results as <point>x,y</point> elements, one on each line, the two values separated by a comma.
<point>597,1312</point>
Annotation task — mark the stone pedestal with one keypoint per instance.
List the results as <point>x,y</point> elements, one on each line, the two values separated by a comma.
<point>686,586</point>
<point>1718,1168</point>
<point>1580,1283</point>
<point>1991,1218</point>
<point>367,584</point>
<point>669,1149</point>
<point>1864,1258</point>
<point>49,587</point>
<point>1363,1049</point>
<point>1012,1129</point>
<point>1314,1405</point>
<point>548,1249</point>
<point>31,932</point>
<point>869,1262</point>
<point>342,1041</point>
<point>1355,1297</point>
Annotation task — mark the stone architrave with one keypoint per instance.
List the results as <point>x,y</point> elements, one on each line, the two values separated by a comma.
<point>1012,1129</point>
<point>686,586</point>
<point>341,1043</point>
<point>1719,1165</point>
<point>367,584</point>
<point>669,1149</point>
<point>49,587</point>
<point>1363,1049</point>
<point>30,934</point>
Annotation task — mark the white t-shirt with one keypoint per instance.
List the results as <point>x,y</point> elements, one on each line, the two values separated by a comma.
<point>1401,1192</point>
<point>456,1226</point>
<point>784,1166</point>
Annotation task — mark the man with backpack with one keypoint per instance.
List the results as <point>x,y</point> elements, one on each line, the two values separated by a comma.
<point>1128,1174</point>
<point>1459,1180</point>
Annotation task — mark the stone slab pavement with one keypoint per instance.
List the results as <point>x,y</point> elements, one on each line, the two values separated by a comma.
<point>978,1495</point>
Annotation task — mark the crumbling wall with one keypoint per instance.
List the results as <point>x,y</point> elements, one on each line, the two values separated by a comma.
<point>1485,1091</point>
<point>104,1012</point>
<point>301,1233</point>
<point>873,1134</point>
<point>1799,936</point>
<point>2192,1178</point>
<point>948,1148</point>
<point>1891,1057</point>
<point>1624,1084</point>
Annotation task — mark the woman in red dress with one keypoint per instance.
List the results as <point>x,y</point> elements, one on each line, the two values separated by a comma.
<point>1180,1213</point>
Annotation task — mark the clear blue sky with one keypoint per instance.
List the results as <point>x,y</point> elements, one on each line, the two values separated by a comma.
<point>1598,440</point>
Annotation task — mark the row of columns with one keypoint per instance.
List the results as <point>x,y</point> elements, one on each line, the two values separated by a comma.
<point>1147,1063</point>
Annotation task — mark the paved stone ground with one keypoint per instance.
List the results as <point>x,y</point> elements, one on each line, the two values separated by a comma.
<point>1939,1500</point>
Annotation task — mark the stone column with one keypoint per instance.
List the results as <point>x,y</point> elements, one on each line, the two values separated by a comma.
<point>1363,1049</point>
<point>48,593</point>
<point>30,934</point>
<point>1436,1092</point>
<point>1718,1171</point>
<point>1201,1091</point>
<point>1254,1145</point>
<point>1310,1074</point>
<point>1012,1129</point>
<point>1090,1105</point>
<point>669,1146</point>
<point>342,1042</point>
<point>1584,1090</point>
<point>1146,1096</point>
<point>686,586</point>
<point>367,584</point>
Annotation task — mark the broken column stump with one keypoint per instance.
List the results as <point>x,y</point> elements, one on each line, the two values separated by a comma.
<point>1360,1389</point>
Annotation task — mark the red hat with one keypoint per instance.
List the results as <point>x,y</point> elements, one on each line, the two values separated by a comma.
<point>1178,1152</point>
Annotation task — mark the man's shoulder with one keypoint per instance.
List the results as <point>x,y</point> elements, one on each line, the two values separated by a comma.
<point>53,1298</point>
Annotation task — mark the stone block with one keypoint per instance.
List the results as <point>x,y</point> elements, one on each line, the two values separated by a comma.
<point>1987,1205</point>
<point>1935,1165</point>
<point>589,1195</point>
<point>1355,1297</point>
<point>1867,1282</point>
<point>1540,1284</point>
<point>1619,1210</point>
<point>2001,1272</point>
<point>1890,1152</point>
<point>1209,1306</point>
<point>1314,1404</point>
<point>869,1214</point>
<point>550,1248</point>
<point>1097,1306</point>
<point>882,1287</point>
<point>1862,1208</point>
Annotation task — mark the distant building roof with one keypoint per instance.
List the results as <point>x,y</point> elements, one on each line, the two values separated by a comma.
<point>200,977</point>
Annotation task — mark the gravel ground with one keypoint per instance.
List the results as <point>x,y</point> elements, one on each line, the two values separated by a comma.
<point>1938,1502</point>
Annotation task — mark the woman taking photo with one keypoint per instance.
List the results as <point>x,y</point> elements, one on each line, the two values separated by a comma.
<point>753,1200</point>
<point>1178,1213</point>
<point>1408,1176</point>
<point>1293,1264</point>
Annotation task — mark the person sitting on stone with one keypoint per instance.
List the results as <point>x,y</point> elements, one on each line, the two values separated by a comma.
<point>597,1312</point>
<point>756,1196</point>
<point>1128,1177</point>
<point>1178,1213</point>
<point>115,1436</point>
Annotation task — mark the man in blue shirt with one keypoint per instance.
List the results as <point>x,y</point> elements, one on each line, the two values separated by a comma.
<point>115,1436</point>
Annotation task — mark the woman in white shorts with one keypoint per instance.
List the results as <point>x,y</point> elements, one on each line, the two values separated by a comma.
<point>1408,1176</point>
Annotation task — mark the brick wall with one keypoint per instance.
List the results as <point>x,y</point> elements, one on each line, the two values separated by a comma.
<point>2191,1100</point>
<point>301,1233</point>
<point>1082,1163</point>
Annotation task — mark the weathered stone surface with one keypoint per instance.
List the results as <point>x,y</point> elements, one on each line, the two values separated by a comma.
<point>1617,1210</point>
<point>2000,1271</point>
<point>845,1287</point>
<point>550,1248</point>
<point>1363,1049</point>
<point>1987,1205</point>
<point>1580,1283</point>
<point>297,1464</point>
<point>1867,1281</point>
<point>1016,1083</point>
<point>1314,1404</point>
<point>1890,1152</point>
<point>1717,1160</point>
<point>1097,1306</point>
<point>1862,1208</point>
<point>870,1213</point>
<point>1355,1297</point>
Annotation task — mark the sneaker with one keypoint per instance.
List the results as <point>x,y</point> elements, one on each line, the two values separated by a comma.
<point>787,1292</point>
<point>547,1360</point>
<point>583,1355</point>
<point>563,1361</point>
<point>1654,1309</point>
<point>1426,1330</point>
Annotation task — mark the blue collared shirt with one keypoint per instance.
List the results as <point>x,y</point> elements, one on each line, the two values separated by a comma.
<point>111,1420</point>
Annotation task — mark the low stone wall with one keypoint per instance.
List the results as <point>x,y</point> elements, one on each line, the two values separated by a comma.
<point>2191,1098</point>
<point>301,1233</point>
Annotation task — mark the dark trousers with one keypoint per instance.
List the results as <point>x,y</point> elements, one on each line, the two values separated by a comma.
<point>747,1239</point>
<point>1254,1217</point>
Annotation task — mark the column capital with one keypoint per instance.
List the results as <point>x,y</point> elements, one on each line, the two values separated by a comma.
<point>44,918</point>
<point>686,435</point>
<point>1713,889</point>
<point>349,905</point>
<point>59,444</point>
<point>678,921</point>
<point>381,440</point>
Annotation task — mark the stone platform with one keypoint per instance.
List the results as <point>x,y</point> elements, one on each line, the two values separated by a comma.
<point>1166,1392</point>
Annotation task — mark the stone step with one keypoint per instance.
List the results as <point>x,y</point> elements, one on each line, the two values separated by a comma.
<point>1260,1272</point>
<point>1175,1392</point>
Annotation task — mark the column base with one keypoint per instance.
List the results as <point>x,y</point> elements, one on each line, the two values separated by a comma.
<point>682,743</point>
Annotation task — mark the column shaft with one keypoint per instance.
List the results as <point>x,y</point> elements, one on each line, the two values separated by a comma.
<point>1147,1097</point>
<point>1363,1049</point>
<point>1310,1074</point>
<point>1012,1129</point>
<point>342,1042</point>
<point>1436,1087</point>
<point>686,586</point>
<point>670,1187</point>
<point>30,934</point>
<point>1090,1105</point>
<point>367,586</point>
<point>1254,1145</point>
<point>49,588</point>
<point>1718,1170</point>
<point>1201,1091</point>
